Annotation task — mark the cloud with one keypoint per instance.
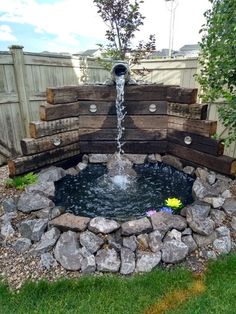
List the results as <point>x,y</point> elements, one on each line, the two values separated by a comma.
<point>6,34</point>
<point>67,20</point>
<point>71,17</point>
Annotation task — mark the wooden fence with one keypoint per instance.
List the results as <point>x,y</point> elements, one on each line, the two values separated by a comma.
<point>24,78</point>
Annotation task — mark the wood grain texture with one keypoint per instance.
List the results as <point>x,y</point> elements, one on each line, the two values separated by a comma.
<point>201,143</point>
<point>30,146</point>
<point>129,134</point>
<point>49,112</point>
<point>25,164</point>
<point>222,164</point>
<point>201,127</point>
<point>155,92</point>
<point>44,128</point>
<point>193,111</point>
<point>135,147</point>
<point>131,122</point>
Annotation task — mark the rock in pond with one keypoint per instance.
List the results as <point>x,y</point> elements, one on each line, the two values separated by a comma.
<point>47,188</point>
<point>136,226</point>
<point>51,174</point>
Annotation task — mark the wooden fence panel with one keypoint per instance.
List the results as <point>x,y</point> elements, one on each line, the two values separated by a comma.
<point>52,70</point>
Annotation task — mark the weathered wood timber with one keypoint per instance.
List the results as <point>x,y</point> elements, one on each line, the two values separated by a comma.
<point>136,147</point>
<point>131,107</point>
<point>25,164</point>
<point>49,112</point>
<point>31,146</point>
<point>44,128</point>
<point>129,134</point>
<point>222,164</point>
<point>201,127</point>
<point>193,111</point>
<point>131,122</point>
<point>54,112</point>
<point>201,143</point>
<point>153,92</point>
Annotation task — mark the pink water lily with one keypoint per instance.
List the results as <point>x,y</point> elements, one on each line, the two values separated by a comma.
<point>151,212</point>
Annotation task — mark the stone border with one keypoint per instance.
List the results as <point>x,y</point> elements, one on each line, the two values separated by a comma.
<point>100,244</point>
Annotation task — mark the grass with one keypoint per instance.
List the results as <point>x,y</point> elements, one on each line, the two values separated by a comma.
<point>20,182</point>
<point>135,295</point>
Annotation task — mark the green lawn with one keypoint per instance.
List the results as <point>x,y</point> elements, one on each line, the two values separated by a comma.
<point>116,295</point>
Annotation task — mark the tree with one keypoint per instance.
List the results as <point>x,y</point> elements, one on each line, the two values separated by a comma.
<point>218,61</point>
<point>123,19</point>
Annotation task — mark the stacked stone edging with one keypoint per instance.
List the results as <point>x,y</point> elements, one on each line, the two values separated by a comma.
<point>101,244</point>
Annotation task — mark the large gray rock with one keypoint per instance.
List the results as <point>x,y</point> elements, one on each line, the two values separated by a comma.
<point>70,222</point>
<point>223,245</point>
<point>103,225</point>
<point>189,170</point>
<point>202,174</point>
<point>29,202</point>
<point>233,223</point>
<point>189,241</point>
<point>33,229</point>
<point>204,240</point>
<point>130,242</point>
<point>172,161</point>
<point>143,241</point>
<point>202,189</point>
<point>127,261</point>
<point>67,251</point>
<point>107,260</point>
<point>218,216</point>
<point>197,219</point>
<point>51,174</point>
<point>81,166</point>
<point>229,206</point>
<point>7,229</point>
<point>155,241</point>
<point>222,232</point>
<point>137,159</point>
<point>22,245</point>
<point>216,202</point>
<point>9,205</point>
<point>91,241</point>
<point>48,261</point>
<point>174,251</point>
<point>49,213</point>
<point>203,226</point>
<point>88,263</point>
<point>98,158</point>
<point>153,158</point>
<point>146,261</point>
<point>47,188</point>
<point>72,171</point>
<point>136,226</point>
<point>164,222</point>
<point>47,242</point>
<point>173,235</point>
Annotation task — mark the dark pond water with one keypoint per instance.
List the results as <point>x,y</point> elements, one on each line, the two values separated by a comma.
<point>91,193</point>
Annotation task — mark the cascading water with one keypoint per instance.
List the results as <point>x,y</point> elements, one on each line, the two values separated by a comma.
<point>120,179</point>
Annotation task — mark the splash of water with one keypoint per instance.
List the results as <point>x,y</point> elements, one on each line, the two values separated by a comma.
<point>120,111</point>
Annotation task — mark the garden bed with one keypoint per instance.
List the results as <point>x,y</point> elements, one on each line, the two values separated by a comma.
<point>47,242</point>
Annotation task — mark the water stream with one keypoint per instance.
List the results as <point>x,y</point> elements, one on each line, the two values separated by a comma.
<point>121,179</point>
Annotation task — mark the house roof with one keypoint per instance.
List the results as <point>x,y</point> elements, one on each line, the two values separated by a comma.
<point>190,47</point>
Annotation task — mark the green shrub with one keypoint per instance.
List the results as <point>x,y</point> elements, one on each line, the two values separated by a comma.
<point>21,182</point>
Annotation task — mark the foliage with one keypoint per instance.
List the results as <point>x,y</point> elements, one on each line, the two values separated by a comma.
<point>123,19</point>
<point>218,61</point>
<point>21,182</point>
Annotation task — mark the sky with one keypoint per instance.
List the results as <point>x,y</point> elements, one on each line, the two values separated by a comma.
<point>74,25</point>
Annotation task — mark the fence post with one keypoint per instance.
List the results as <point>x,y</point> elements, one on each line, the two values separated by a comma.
<point>21,84</point>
